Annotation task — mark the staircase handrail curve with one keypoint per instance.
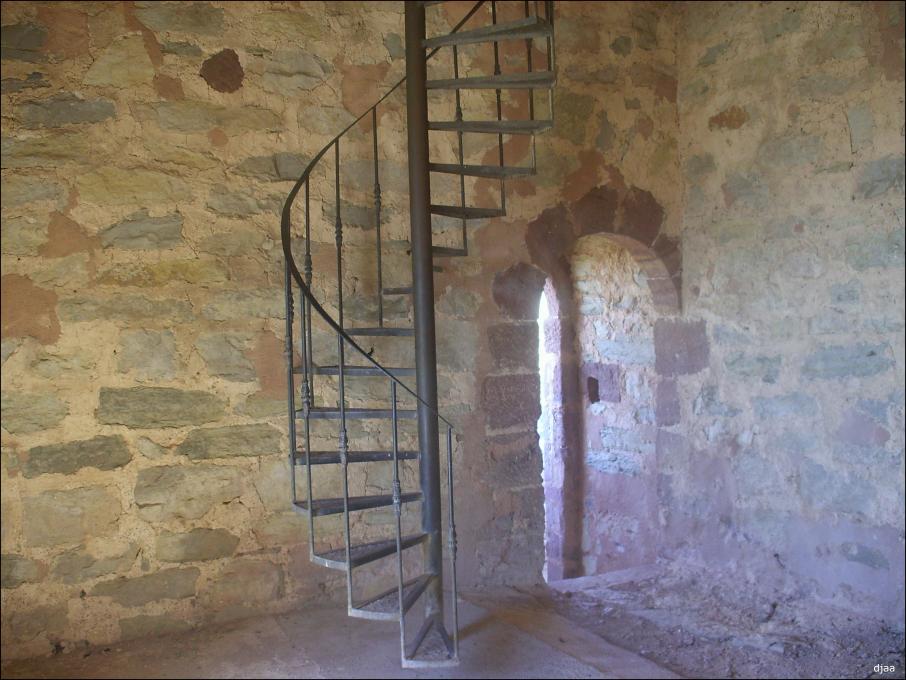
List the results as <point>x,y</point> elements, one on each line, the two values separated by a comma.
<point>286,225</point>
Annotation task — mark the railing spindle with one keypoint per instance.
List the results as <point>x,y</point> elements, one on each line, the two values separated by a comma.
<point>451,542</point>
<point>308,393</point>
<point>290,377</point>
<point>497,72</point>
<point>377,220</point>
<point>397,509</point>
<point>459,135</point>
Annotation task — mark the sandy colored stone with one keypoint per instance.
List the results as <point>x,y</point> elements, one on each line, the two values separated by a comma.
<point>67,517</point>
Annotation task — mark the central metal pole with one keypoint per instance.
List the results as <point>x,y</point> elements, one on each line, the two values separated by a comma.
<point>423,297</point>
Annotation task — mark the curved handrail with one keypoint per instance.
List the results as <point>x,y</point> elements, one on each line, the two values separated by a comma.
<point>286,238</point>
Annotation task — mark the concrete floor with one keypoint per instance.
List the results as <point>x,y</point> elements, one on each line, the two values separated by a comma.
<point>510,636</point>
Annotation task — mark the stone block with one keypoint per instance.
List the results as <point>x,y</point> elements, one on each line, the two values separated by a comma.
<point>101,452</point>
<point>31,82</point>
<point>861,430</point>
<point>139,231</point>
<point>862,554</point>
<point>222,71</point>
<point>23,42</point>
<point>22,235</point>
<point>123,308</point>
<point>609,387</point>
<point>151,353</point>
<point>230,441</point>
<point>764,368</point>
<point>280,531</point>
<point>167,584</point>
<point>16,570</point>
<point>880,176</point>
<point>625,349</point>
<point>65,108</point>
<point>19,189</point>
<point>196,545</point>
<point>155,407</point>
<point>196,116</point>
<point>79,566</point>
<point>681,347</point>
<point>184,491</point>
<point>124,64</point>
<point>63,517</point>
<point>876,249</point>
<point>151,625</point>
<point>793,405</point>
<point>517,291</point>
<point>834,362</point>
<point>246,581</point>
<point>667,404</point>
<point>200,18</point>
<point>573,111</point>
<point>826,490</point>
<point>514,346</point>
<point>224,355</point>
<point>240,304</point>
<point>511,400</point>
<point>109,185</point>
<point>49,620</point>
<point>25,412</point>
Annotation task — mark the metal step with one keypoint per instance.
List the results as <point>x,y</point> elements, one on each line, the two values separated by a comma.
<point>492,171</point>
<point>521,81</point>
<point>400,290</point>
<point>466,213</point>
<point>444,251</point>
<point>380,330</point>
<point>358,370</point>
<point>333,457</point>
<point>366,553</point>
<point>530,27</point>
<point>494,127</point>
<point>431,646</point>
<point>333,506</point>
<point>333,413</point>
<point>386,606</point>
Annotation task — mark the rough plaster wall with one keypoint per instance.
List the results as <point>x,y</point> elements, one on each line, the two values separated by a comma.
<point>615,335</point>
<point>144,478</point>
<point>788,465</point>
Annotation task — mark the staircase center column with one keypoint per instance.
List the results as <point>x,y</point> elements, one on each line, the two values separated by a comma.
<point>423,297</point>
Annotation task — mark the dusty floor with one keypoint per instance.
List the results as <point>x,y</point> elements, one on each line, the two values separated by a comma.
<point>642,623</point>
<point>507,642</point>
<point>714,629</point>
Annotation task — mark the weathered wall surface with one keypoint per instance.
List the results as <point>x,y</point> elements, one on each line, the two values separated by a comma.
<point>146,150</point>
<point>788,462</point>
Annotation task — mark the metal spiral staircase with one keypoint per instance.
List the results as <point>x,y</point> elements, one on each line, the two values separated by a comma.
<point>343,432</point>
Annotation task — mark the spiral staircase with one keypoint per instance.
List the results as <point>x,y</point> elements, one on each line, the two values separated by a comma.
<point>365,444</point>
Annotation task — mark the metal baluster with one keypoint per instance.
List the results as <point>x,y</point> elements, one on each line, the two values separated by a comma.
<point>531,91</point>
<point>308,385</point>
<point>499,106</point>
<point>290,376</point>
<point>343,444</point>
<point>397,509</point>
<point>549,12</point>
<point>377,220</point>
<point>451,543</point>
<point>459,135</point>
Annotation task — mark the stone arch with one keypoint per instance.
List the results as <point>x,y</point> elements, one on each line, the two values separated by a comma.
<point>631,217</point>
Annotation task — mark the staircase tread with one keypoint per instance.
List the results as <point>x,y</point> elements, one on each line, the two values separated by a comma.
<point>529,27</point>
<point>492,171</point>
<point>333,369</point>
<point>369,552</point>
<point>333,506</point>
<point>354,412</point>
<point>496,82</point>
<point>511,127</point>
<point>444,251</point>
<point>467,212</point>
<point>380,330</point>
<point>333,457</point>
<point>388,601</point>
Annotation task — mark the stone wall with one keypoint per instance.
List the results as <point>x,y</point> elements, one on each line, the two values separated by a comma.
<point>791,143</point>
<point>147,148</point>
<point>748,158</point>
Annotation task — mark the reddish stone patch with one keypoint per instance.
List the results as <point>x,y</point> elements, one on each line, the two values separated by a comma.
<point>861,430</point>
<point>792,112</point>
<point>223,72</point>
<point>65,237</point>
<point>514,346</point>
<point>517,291</point>
<point>662,84</point>
<point>362,85</point>
<point>596,211</point>
<point>890,22</point>
<point>67,30</point>
<point>680,347</point>
<point>270,364</point>
<point>732,118</point>
<point>152,47</point>
<point>511,400</point>
<point>168,87</point>
<point>27,310</point>
<point>645,126</point>
<point>667,404</point>
<point>643,216</point>
<point>218,137</point>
